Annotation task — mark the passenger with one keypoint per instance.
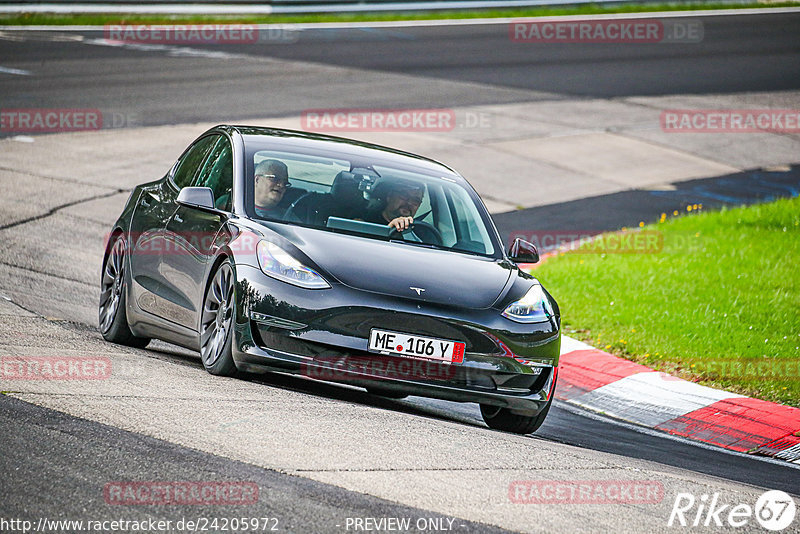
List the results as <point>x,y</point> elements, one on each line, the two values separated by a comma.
<point>396,205</point>
<point>271,183</point>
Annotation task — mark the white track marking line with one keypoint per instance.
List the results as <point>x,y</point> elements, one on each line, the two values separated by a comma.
<point>175,51</point>
<point>19,72</point>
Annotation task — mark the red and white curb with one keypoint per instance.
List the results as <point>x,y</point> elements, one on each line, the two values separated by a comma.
<point>602,382</point>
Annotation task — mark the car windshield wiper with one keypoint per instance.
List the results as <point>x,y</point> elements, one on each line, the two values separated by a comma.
<point>419,244</point>
<point>440,247</point>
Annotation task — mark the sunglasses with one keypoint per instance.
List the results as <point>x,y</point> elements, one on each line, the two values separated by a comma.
<point>274,179</point>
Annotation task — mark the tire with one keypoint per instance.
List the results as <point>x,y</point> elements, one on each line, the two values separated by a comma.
<point>216,322</point>
<point>386,393</point>
<point>502,419</point>
<point>112,316</point>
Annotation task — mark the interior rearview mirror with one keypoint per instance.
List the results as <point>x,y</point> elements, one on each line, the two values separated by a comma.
<point>197,197</point>
<point>522,251</point>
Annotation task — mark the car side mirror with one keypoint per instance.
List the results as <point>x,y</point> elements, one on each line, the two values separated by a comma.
<point>197,197</point>
<point>522,251</point>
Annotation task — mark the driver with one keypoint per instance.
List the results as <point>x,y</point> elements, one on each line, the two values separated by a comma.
<point>397,206</point>
<point>271,182</point>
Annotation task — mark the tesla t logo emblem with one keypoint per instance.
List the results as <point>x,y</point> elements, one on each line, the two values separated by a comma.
<point>419,290</point>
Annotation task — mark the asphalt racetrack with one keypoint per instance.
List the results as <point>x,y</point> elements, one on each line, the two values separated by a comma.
<point>555,136</point>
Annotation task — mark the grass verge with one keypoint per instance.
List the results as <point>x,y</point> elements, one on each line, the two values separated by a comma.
<point>719,304</point>
<point>99,19</point>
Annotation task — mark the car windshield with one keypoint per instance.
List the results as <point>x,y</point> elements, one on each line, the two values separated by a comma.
<point>361,198</point>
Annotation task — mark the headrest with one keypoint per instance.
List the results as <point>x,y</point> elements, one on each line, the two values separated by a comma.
<point>345,188</point>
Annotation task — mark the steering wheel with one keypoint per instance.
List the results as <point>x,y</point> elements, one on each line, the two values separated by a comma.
<point>431,229</point>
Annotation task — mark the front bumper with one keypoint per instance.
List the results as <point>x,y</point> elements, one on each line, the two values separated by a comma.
<point>324,335</point>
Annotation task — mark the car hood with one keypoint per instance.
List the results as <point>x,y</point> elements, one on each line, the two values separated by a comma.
<point>395,269</point>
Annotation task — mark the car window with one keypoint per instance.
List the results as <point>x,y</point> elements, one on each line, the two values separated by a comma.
<point>186,168</point>
<point>471,233</point>
<point>307,172</point>
<point>217,173</point>
<point>441,214</point>
<point>360,197</point>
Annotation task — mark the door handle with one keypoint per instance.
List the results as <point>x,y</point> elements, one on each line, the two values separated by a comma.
<point>143,201</point>
<point>178,218</point>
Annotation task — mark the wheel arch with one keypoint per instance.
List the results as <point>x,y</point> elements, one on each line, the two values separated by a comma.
<point>112,235</point>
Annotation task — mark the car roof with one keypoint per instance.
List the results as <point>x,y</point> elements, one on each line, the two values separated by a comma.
<point>315,142</point>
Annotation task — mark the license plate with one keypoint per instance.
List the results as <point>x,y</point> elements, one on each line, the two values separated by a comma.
<point>412,346</point>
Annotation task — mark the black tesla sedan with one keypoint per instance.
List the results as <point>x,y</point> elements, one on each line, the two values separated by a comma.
<point>277,250</point>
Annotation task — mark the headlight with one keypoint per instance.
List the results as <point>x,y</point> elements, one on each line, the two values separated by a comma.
<point>534,307</point>
<point>277,263</point>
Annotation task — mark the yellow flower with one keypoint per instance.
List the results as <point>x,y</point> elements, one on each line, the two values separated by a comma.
<point>694,206</point>
<point>641,224</point>
<point>675,212</point>
<point>688,208</point>
<point>633,330</point>
<point>608,347</point>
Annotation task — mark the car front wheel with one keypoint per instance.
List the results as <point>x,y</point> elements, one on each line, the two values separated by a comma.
<point>216,323</point>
